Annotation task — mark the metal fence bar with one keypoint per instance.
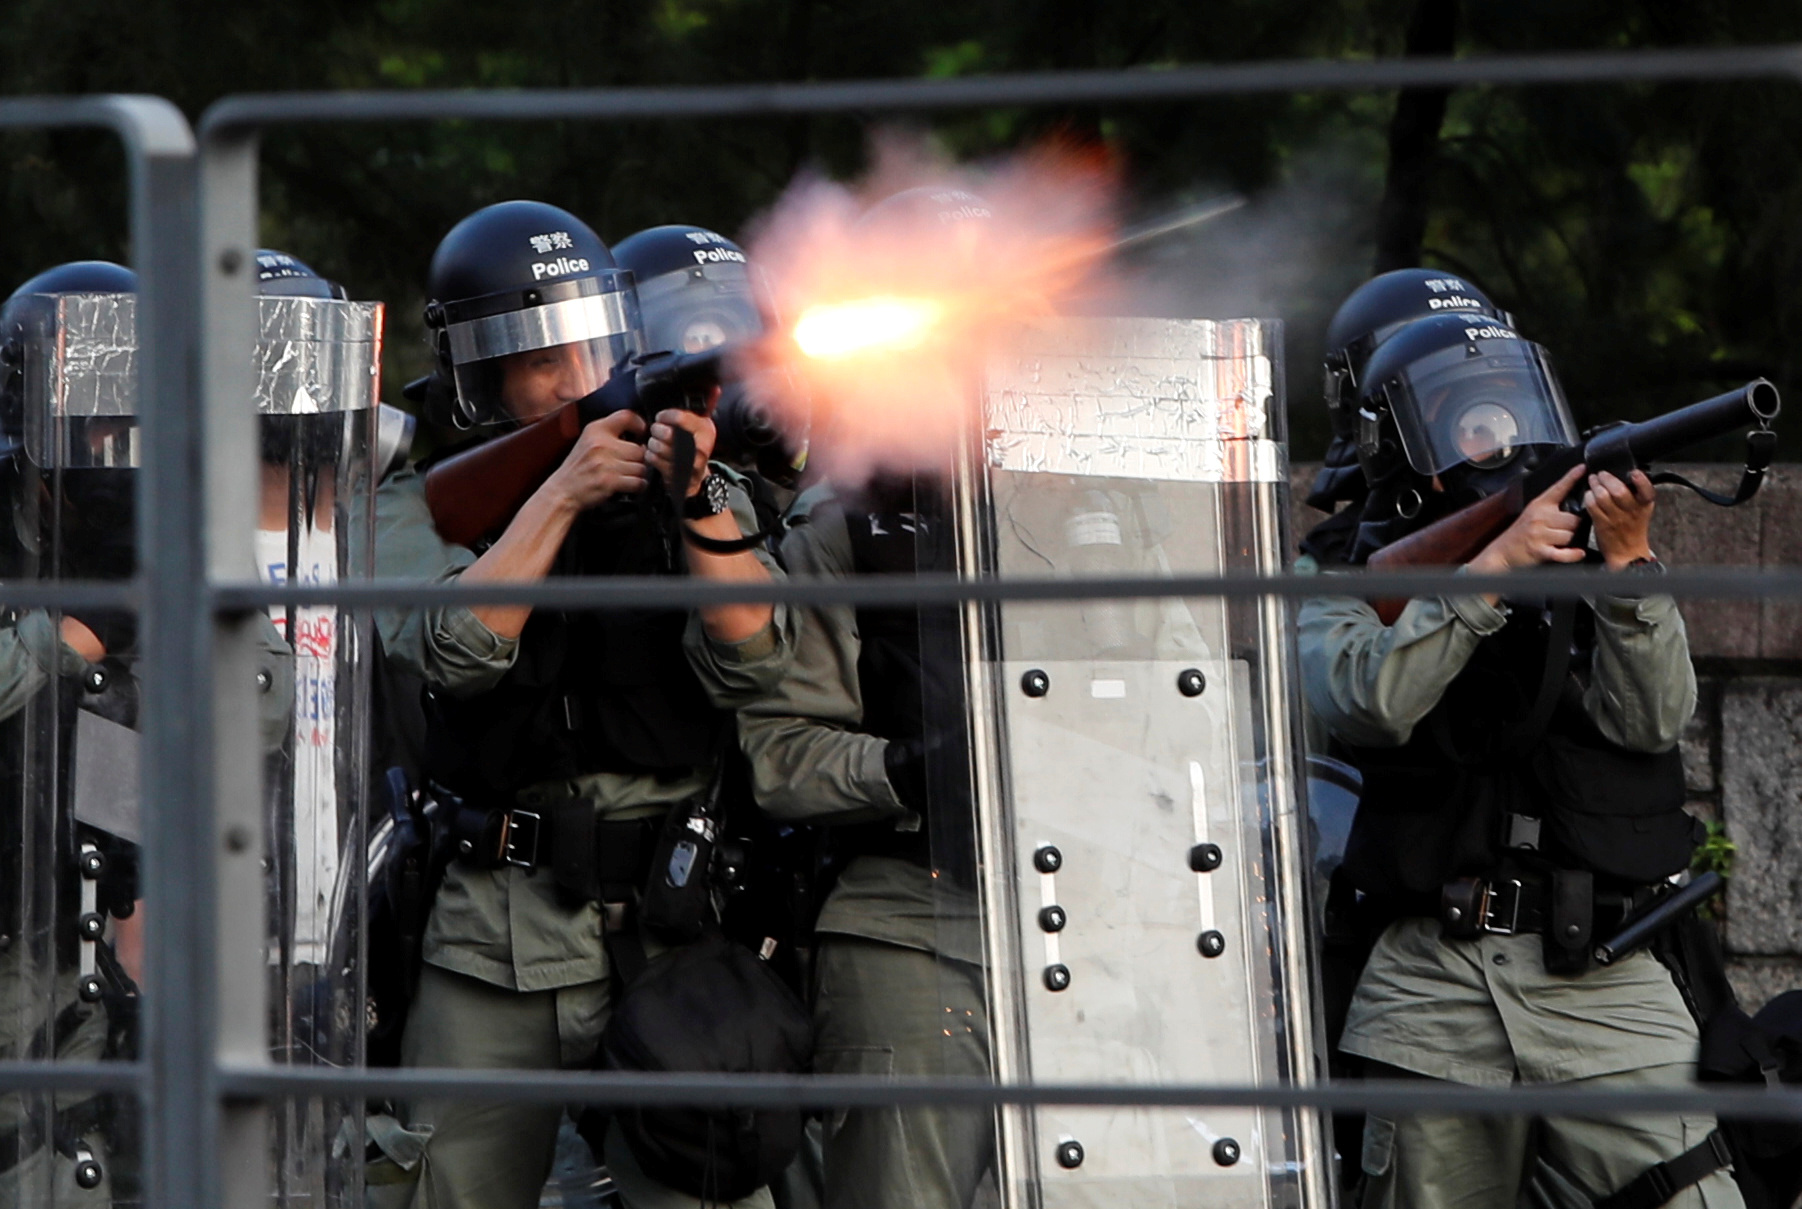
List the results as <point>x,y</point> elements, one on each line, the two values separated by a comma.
<point>652,591</point>
<point>181,1107</point>
<point>855,1091</point>
<point>225,264</point>
<point>1038,88</point>
<point>1691,583</point>
<point>42,1076</point>
<point>71,594</point>
<point>175,1078</point>
<point>266,1082</point>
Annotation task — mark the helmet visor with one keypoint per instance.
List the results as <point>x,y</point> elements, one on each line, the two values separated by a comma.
<point>519,362</point>
<point>602,307</point>
<point>1479,404</point>
<point>697,308</point>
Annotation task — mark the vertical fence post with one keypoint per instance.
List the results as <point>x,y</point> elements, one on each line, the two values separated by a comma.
<point>227,245</point>
<point>180,1110</point>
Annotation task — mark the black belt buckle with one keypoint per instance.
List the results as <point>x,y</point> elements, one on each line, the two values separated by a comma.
<point>519,839</point>
<point>1500,901</point>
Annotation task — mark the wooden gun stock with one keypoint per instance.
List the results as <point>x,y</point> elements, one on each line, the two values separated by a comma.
<point>474,494</point>
<point>1450,541</point>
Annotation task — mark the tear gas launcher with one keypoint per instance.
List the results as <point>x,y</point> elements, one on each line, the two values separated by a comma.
<point>1617,448</point>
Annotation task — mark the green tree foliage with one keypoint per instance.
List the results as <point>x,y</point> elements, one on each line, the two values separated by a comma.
<point>1649,235</point>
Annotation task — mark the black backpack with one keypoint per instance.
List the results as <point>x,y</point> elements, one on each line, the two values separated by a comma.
<point>1767,1049</point>
<point>714,1007</point>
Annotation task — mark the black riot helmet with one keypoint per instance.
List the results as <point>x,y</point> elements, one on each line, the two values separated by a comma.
<point>31,304</point>
<point>280,275</point>
<point>694,288</point>
<point>1459,394</point>
<point>523,281</point>
<point>942,205</point>
<point>697,289</point>
<point>88,459</point>
<point>1375,311</point>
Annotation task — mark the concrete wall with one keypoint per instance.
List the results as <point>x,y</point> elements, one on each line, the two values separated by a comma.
<point>1742,753</point>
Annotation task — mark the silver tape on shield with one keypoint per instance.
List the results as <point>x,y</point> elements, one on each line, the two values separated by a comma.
<point>317,355</point>
<point>1177,400</point>
<point>313,355</point>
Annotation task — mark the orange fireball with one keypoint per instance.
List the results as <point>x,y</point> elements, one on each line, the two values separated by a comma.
<point>892,295</point>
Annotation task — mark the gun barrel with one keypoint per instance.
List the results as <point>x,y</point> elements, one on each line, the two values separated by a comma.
<point>1755,403</point>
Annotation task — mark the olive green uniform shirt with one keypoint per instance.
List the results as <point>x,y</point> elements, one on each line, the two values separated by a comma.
<point>31,651</point>
<point>812,763</point>
<point>508,926</point>
<point>1485,1011</point>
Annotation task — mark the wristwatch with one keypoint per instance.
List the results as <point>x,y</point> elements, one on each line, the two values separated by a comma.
<point>1644,566</point>
<point>711,500</point>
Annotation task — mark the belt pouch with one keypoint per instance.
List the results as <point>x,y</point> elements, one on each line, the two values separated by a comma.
<point>1461,909</point>
<point>676,894</point>
<point>1570,922</point>
<point>573,865</point>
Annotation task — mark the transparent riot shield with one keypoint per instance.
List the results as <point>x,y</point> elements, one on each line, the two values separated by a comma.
<point>318,364</point>
<point>70,916</point>
<point>1137,768</point>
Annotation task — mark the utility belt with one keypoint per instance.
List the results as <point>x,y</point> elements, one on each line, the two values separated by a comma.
<point>590,859</point>
<point>1563,905</point>
<point>656,874</point>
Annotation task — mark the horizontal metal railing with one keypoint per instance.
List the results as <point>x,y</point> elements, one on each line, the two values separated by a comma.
<point>640,592</point>
<point>618,1088</point>
<point>1152,85</point>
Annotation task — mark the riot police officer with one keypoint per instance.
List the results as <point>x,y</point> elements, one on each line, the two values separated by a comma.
<point>696,290</point>
<point>1371,314</point>
<point>56,1153</point>
<point>551,735</point>
<point>865,737</point>
<point>1521,792</point>
<point>70,919</point>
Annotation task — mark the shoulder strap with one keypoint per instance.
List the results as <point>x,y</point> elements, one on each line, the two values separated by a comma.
<point>1761,447</point>
<point>1658,1184</point>
<point>625,952</point>
<point>1551,682</point>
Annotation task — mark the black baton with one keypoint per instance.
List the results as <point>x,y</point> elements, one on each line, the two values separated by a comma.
<point>1636,932</point>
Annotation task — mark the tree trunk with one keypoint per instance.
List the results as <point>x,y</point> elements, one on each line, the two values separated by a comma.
<point>1414,142</point>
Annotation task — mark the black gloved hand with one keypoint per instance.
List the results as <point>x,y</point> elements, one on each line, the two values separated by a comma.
<point>904,762</point>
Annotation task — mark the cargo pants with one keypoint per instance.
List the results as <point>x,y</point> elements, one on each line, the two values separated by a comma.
<point>452,1154</point>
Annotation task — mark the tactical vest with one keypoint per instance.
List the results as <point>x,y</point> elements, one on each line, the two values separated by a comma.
<point>910,669</point>
<point>1450,803</point>
<point>609,691</point>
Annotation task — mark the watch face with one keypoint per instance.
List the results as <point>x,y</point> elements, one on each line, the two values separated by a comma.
<point>711,499</point>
